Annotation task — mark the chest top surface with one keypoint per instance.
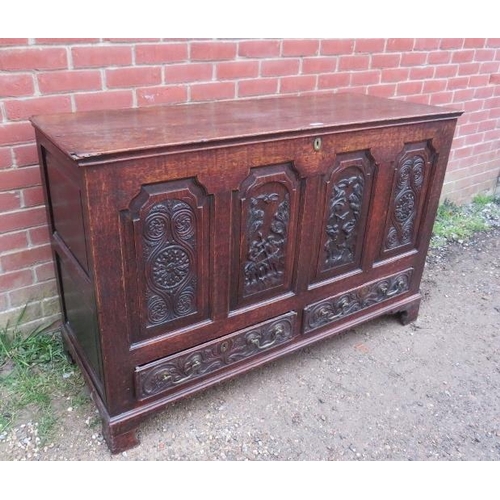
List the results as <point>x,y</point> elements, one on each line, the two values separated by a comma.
<point>112,132</point>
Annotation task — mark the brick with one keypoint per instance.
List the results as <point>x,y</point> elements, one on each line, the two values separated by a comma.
<point>474,43</point>
<point>399,44</point>
<point>441,98</point>
<point>431,86</point>
<point>212,51</point>
<point>23,109</point>
<point>69,81</point>
<point>451,43</point>
<point>161,53</point>
<point>472,139</point>
<point>261,86</point>
<point>16,279</point>
<point>483,93</point>
<point>212,91</point>
<point>33,196</point>
<point>423,73</point>
<point>395,74</point>
<point>15,133</point>
<point>99,56</point>
<point>65,41</point>
<point>18,178</point>
<point>4,42</point>
<point>409,88</point>
<point>414,58</point>
<point>25,155</point>
<point>9,200</point>
<point>259,48</point>
<point>353,63</point>
<point>336,47</point>
<point>468,68</point>
<point>493,42</point>
<point>419,98</point>
<point>495,79</point>
<point>162,95</point>
<point>39,235</point>
<point>371,77</point>
<point>439,57</point>
<point>184,73</point>
<point>33,59</point>
<point>237,69</point>
<point>334,80</point>
<point>369,45</point>
<point>385,60</point>
<point>317,65</point>
<point>110,99</point>
<point>300,47</point>
<point>13,241</point>
<point>16,85</point>
<point>458,83</point>
<point>38,291</point>
<point>133,77</point>
<point>490,67</point>
<point>387,90</point>
<point>5,158</point>
<point>44,272</point>
<point>26,258</point>
<point>484,55</point>
<point>461,56</point>
<point>23,219</point>
<point>427,44</point>
<point>280,67</point>
<point>484,125</point>
<point>467,97</point>
<point>446,71</point>
<point>300,83</point>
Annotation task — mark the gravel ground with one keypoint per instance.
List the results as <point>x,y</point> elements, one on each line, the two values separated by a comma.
<point>427,391</point>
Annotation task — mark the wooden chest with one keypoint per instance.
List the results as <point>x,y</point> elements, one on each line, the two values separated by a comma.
<point>195,242</point>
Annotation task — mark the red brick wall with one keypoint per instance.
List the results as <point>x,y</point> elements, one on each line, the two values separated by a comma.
<point>55,75</point>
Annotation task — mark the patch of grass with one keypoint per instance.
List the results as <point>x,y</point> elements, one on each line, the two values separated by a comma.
<point>34,370</point>
<point>459,223</point>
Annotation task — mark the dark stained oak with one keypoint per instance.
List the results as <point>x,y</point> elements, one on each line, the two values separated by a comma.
<point>195,242</point>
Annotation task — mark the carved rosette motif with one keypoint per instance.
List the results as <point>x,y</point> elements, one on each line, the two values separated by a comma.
<point>406,200</point>
<point>342,227</point>
<point>179,370</point>
<point>331,310</point>
<point>169,242</point>
<point>265,264</point>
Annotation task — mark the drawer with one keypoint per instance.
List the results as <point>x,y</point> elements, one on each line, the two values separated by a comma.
<point>211,357</point>
<point>333,309</point>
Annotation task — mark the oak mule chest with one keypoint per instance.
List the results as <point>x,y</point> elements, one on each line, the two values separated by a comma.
<point>195,242</point>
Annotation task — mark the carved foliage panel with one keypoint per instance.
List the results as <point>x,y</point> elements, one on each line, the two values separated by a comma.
<point>267,204</point>
<point>336,308</point>
<point>214,356</point>
<point>347,198</point>
<point>411,174</point>
<point>170,234</point>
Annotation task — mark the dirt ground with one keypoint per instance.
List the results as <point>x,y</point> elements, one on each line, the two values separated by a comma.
<point>427,391</point>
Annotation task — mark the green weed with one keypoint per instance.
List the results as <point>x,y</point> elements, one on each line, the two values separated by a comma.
<point>34,370</point>
<point>458,223</point>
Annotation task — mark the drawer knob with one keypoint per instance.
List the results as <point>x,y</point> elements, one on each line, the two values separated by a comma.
<point>317,144</point>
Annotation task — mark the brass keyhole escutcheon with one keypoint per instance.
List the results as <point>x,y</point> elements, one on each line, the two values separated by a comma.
<point>317,144</point>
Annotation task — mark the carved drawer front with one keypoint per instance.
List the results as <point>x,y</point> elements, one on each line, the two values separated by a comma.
<point>335,308</point>
<point>168,261</point>
<point>265,234</point>
<point>211,357</point>
<point>411,178</point>
<point>346,199</point>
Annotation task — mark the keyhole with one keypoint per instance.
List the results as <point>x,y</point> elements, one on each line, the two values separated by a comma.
<point>317,144</point>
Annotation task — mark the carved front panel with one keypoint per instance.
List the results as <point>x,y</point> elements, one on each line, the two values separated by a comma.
<point>347,196</point>
<point>214,356</point>
<point>408,195</point>
<point>171,257</point>
<point>335,308</point>
<point>267,206</point>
